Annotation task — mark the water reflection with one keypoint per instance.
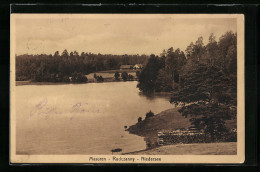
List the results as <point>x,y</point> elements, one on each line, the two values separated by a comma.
<point>153,96</point>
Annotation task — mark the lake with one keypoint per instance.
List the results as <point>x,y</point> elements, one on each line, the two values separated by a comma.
<point>81,118</point>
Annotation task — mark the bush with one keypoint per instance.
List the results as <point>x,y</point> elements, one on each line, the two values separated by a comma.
<point>149,115</point>
<point>117,75</point>
<point>78,78</point>
<point>65,78</point>
<point>130,77</point>
<point>100,79</point>
<point>124,76</point>
<point>137,73</point>
<point>140,119</point>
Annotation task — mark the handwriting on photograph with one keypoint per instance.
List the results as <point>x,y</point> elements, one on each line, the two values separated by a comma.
<point>44,108</point>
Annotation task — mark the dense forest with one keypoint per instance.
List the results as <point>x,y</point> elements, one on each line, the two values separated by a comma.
<point>168,71</point>
<point>203,83</point>
<point>59,67</point>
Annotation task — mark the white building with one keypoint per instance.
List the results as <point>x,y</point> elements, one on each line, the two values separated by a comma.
<point>138,66</point>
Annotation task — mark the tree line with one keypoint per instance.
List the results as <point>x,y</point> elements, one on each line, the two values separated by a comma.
<point>203,82</point>
<point>60,66</point>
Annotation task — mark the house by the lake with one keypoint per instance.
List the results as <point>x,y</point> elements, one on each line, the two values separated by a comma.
<point>126,67</point>
<point>138,66</point>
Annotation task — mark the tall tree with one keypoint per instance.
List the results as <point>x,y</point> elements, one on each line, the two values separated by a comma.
<point>71,54</point>
<point>163,82</point>
<point>147,77</point>
<point>189,50</point>
<point>56,54</point>
<point>226,41</point>
<point>212,51</point>
<point>206,98</point>
<point>173,63</point>
<point>65,53</point>
<point>198,50</point>
<point>208,92</point>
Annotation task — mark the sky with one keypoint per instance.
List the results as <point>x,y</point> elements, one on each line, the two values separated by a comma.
<point>113,33</point>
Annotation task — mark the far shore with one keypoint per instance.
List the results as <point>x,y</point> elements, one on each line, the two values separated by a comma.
<point>108,76</point>
<point>20,83</point>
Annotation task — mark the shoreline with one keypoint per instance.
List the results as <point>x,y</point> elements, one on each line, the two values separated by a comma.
<point>21,83</point>
<point>217,148</point>
<point>167,120</point>
<point>148,128</point>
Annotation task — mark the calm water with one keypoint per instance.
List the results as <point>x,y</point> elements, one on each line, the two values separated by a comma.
<point>81,118</point>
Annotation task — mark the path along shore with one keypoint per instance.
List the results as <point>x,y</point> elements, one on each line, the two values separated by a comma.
<point>222,148</point>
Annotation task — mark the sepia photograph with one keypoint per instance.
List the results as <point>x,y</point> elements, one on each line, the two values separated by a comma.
<point>127,88</point>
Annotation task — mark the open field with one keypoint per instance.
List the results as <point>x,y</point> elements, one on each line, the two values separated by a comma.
<point>224,148</point>
<point>110,74</point>
<point>120,71</point>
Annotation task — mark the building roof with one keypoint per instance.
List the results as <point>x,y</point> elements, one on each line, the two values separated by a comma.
<point>125,66</point>
<point>139,65</point>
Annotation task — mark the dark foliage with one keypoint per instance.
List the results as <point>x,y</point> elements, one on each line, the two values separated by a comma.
<point>124,76</point>
<point>117,75</point>
<point>100,79</point>
<point>208,86</point>
<point>207,93</point>
<point>137,73</point>
<point>44,68</point>
<point>163,82</point>
<point>130,77</point>
<point>149,115</point>
<point>78,78</point>
<point>149,74</point>
<point>95,75</point>
<point>203,83</point>
<point>162,73</point>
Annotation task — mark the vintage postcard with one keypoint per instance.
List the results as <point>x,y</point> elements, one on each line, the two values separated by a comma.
<point>127,88</point>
